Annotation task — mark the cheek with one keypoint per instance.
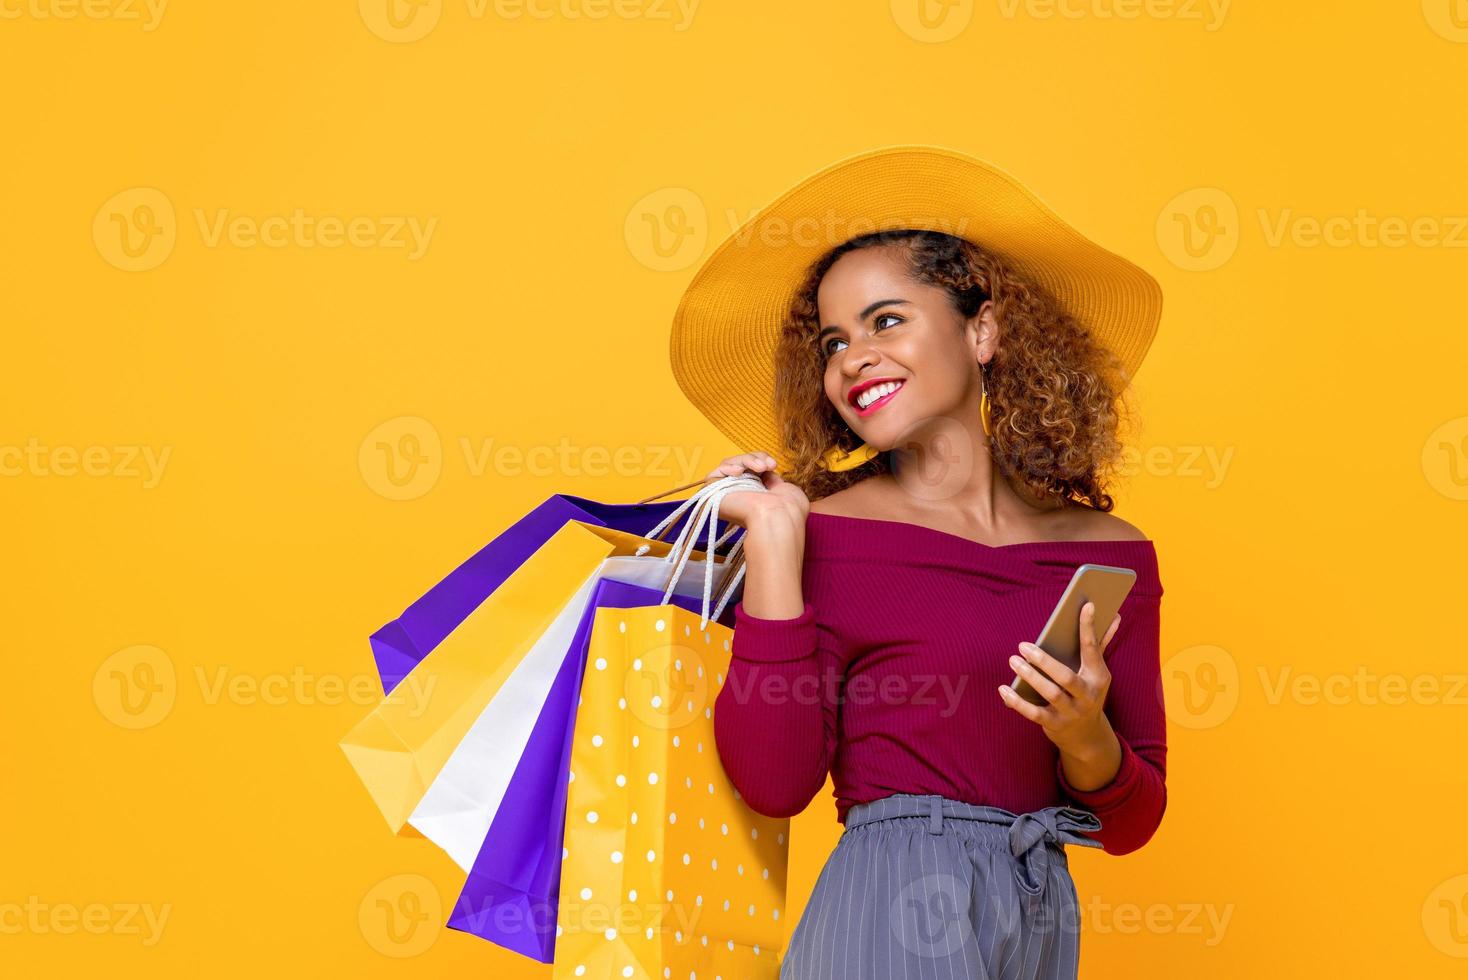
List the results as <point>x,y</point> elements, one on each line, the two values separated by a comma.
<point>944,378</point>
<point>831,383</point>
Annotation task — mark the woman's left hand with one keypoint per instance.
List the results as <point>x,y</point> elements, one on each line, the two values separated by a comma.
<point>1072,717</point>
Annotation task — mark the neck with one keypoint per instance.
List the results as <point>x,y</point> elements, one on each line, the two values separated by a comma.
<point>947,469</point>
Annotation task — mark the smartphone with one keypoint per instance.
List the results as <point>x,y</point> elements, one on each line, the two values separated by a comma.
<point>1106,586</point>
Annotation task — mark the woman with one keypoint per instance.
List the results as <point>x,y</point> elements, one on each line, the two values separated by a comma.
<point>945,426</point>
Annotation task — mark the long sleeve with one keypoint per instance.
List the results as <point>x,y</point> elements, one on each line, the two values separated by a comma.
<point>1131,805</point>
<point>775,718</point>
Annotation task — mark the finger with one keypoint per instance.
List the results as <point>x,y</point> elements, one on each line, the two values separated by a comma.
<point>1058,672</point>
<point>1090,651</point>
<point>1043,686</point>
<point>735,466</point>
<point>1111,631</point>
<point>1033,712</point>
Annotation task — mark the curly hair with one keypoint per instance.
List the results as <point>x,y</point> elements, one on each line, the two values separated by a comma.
<point>1055,390</point>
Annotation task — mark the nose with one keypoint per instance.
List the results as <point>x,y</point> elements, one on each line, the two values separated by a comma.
<point>860,354</point>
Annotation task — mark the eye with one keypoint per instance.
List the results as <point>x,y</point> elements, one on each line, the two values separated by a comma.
<point>876,323</point>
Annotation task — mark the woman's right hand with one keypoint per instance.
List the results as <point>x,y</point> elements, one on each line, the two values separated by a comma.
<point>742,506</point>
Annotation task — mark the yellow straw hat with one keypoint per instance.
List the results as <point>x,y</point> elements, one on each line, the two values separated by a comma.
<point>728,322</point>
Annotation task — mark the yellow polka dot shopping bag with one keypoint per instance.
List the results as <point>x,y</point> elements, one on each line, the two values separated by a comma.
<point>666,872</point>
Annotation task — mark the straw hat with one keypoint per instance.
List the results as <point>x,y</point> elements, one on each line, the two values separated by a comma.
<point>727,324</point>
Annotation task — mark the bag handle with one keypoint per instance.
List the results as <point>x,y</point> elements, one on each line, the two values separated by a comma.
<point>705,510</point>
<point>657,533</point>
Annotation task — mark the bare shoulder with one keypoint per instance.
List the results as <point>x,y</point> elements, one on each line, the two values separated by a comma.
<point>857,500</point>
<point>1095,525</point>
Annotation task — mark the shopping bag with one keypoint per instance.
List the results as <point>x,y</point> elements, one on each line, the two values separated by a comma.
<point>666,871</point>
<point>400,747</point>
<point>401,644</point>
<point>457,809</point>
<point>510,894</point>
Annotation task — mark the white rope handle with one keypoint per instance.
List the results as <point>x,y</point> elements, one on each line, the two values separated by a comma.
<point>699,498</point>
<point>705,504</point>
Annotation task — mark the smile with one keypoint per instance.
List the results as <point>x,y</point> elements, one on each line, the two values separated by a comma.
<point>869,399</point>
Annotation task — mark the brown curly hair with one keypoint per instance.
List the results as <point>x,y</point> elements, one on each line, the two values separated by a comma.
<point>1055,390</point>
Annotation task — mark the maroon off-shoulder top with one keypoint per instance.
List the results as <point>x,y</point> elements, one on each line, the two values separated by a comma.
<point>887,680</point>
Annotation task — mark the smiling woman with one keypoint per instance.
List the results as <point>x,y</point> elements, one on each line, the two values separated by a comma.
<point>945,408</point>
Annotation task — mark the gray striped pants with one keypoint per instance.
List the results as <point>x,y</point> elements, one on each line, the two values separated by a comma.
<point>928,887</point>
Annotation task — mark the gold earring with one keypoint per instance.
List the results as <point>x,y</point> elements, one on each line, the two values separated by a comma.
<point>838,460</point>
<point>984,402</point>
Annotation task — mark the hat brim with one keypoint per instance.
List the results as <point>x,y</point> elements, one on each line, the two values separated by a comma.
<point>728,322</point>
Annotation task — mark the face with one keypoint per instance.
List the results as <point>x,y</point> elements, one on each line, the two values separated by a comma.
<point>898,340</point>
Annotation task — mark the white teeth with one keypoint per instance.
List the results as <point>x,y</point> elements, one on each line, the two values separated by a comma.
<point>877,391</point>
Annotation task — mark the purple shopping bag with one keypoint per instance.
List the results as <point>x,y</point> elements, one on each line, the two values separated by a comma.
<point>402,643</point>
<point>511,893</point>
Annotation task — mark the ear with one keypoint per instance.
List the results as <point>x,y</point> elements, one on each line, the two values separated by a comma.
<point>981,331</point>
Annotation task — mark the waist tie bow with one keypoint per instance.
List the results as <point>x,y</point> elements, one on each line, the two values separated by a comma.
<point>1030,833</point>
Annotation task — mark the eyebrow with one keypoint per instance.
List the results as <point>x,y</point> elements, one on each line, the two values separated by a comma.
<point>872,308</point>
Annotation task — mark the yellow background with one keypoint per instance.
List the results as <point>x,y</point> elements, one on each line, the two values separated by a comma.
<point>1302,467</point>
